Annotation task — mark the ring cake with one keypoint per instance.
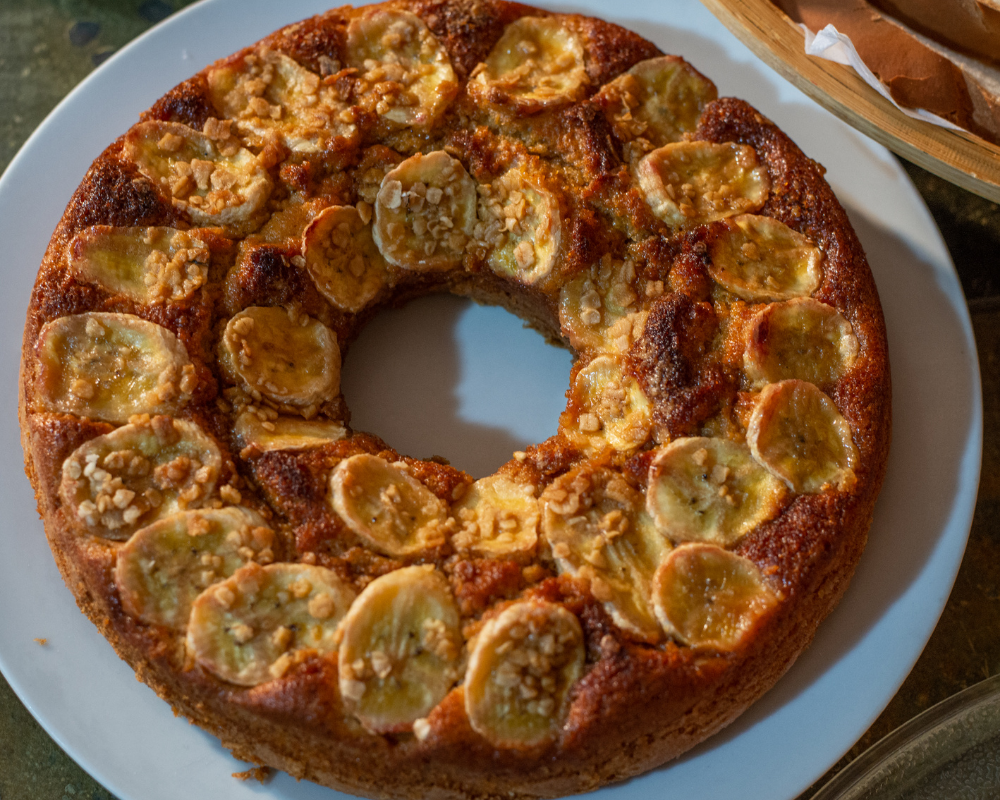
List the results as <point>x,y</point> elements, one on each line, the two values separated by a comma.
<point>391,626</point>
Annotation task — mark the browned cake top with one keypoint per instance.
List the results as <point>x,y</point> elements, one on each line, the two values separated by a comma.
<point>329,606</point>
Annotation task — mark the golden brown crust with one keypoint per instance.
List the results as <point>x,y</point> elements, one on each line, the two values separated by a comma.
<point>638,704</point>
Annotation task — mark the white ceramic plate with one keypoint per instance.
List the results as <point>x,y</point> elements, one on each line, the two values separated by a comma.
<point>455,361</point>
<point>951,750</point>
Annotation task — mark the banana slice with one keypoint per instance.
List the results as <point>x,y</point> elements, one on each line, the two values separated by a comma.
<point>402,66</point>
<point>139,473</point>
<point>520,222</point>
<point>659,99</point>
<point>293,361</point>
<point>162,569</point>
<point>537,63</point>
<point>425,213</point>
<point>710,490</point>
<point>609,408</point>
<point>149,265</point>
<point>521,671</point>
<point>598,531</point>
<point>252,627</point>
<point>801,338</point>
<point>270,97</point>
<point>600,308</point>
<point>342,259</point>
<point>400,647</point>
<point>498,518</point>
<point>691,183</point>
<point>759,259</point>
<point>799,435</point>
<point>215,183</point>
<point>387,507</point>
<point>708,597</point>
<point>111,366</point>
<point>285,433</point>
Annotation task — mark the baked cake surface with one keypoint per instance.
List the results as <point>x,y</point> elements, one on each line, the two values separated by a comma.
<point>387,625</point>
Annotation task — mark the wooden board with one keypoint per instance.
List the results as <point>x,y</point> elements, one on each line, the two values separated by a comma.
<point>956,156</point>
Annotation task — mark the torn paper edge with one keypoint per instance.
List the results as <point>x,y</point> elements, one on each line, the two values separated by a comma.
<point>832,45</point>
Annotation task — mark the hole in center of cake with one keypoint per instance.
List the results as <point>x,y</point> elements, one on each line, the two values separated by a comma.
<point>444,376</point>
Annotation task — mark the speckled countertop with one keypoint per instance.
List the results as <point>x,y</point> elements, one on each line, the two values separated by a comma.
<point>48,46</point>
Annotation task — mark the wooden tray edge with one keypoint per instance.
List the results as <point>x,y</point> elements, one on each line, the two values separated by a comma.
<point>957,156</point>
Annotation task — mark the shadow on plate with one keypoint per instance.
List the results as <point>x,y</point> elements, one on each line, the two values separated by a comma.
<point>443,376</point>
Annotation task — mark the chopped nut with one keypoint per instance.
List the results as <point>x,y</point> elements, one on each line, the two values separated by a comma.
<point>381,664</point>
<point>391,194</point>
<point>170,143</point>
<point>589,423</point>
<point>216,129</point>
<point>352,689</point>
<point>283,637</point>
<point>230,494</point>
<point>322,605</point>
<point>241,632</point>
<point>421,729</point>
<point>280,666</point>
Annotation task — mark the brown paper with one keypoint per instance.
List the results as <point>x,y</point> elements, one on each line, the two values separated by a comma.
<point>917,71</point>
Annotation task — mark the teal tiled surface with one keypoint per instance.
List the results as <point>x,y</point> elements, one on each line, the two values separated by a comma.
<point>48,46</point>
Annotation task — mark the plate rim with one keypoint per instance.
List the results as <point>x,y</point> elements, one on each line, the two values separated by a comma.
<point>972,451</point>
